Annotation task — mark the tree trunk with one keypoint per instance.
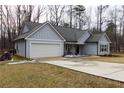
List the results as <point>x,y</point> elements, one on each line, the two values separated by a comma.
<point>70,16</point>
<point>1,27</point>
<point>100,19</point>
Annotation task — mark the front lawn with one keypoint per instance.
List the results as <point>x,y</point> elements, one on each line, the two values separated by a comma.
<point>19,58</point>
<point>45,75</point>
<point>115,58</point>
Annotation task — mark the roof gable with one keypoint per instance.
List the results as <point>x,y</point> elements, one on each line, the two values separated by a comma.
<point>95,37</point>
<point>35,29</point>
<point>46,32</point>
<point>105,38</point>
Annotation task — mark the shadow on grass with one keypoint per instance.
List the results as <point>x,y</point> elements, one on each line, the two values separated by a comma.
<point>113,55</point>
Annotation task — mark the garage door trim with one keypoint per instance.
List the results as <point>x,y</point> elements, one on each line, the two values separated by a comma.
<point>46,43</point>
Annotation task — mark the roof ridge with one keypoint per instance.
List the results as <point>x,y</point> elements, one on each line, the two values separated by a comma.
<point>56,25</point>
<point>70,28</point>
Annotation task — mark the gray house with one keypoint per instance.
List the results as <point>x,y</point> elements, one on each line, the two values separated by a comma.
<point>47,40</point>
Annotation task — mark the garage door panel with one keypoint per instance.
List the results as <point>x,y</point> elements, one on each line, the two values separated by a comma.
<point>45,50</point>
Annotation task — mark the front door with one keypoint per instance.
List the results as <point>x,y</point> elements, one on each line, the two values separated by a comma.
<point>77,50</point>
<point>71,49</point>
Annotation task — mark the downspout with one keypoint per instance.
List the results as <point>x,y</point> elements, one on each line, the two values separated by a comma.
<point>97,48</point>
<point>64,49</point>
<point>25,48</point>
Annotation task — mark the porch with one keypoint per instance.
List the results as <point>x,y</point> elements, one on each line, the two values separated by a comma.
<point>73,49</point>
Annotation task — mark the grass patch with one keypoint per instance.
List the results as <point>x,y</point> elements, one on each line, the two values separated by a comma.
<point>114,58</point>
<point>49,76</point>
<point>20,58</point>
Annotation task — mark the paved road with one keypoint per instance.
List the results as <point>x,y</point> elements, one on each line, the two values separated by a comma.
<point>113,71</point>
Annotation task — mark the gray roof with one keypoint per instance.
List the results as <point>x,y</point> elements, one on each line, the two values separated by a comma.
<point>95,37</point>
<point>32,27</point>
<point>69,34</point>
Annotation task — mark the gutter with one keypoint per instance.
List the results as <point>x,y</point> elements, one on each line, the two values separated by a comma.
<point>97,48</point>
<point>25,48</point>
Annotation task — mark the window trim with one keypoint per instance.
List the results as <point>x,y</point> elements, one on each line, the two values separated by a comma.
<point>104,48</point>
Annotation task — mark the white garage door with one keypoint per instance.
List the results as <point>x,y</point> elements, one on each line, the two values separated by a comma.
<point>45,50</point>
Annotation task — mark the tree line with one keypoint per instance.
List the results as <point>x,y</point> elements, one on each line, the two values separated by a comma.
<point>106,18</point>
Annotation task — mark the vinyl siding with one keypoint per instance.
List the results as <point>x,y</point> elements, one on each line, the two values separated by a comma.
<point>46,33</point>
<point>103,41</point>
<point>20,47</point>
<point>90,49</point>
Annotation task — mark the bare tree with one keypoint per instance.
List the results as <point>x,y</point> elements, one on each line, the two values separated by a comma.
<point>70,13</point>
<point>115,29</point>
<point>123,25</point>
<point>12,23</point>
<point>1,26</point>
<point>56,13</point>
<point>79,14</point>
<point>40,11</point>
<point>18,14</point>
<point>8,25</point>
<point>115,36</point>
<point>100,10</point>
<point>89,21</point>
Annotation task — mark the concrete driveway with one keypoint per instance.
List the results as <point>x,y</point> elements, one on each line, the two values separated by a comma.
<point>114,71</point>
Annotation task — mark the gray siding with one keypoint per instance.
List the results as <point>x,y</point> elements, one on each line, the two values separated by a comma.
<point>27,48</point>
<point>81,50</point>
<point>103,41</point>
<point>90,49</point>
<point>20,47</point>
<point>47,33</point>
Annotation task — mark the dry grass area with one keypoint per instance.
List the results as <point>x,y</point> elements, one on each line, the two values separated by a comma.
<point>19,58</point>
<point>115,58</point>
<point>45,75</point>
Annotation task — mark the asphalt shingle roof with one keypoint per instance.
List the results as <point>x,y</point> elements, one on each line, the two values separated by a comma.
<point>69,34</point>
<point>32,27</point>
<point>95,37</point>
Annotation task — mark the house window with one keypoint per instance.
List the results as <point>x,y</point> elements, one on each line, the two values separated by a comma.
<point>103,48</point>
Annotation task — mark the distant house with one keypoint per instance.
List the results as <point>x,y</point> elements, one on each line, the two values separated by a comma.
<point>47,40</point>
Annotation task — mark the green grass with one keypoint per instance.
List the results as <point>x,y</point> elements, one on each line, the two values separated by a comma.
<point>45,75</point>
